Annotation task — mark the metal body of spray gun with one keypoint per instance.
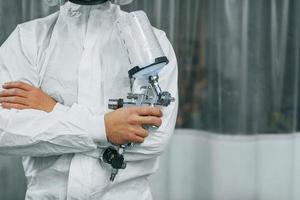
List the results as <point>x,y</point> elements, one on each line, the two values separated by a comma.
<point>146,59</point>
<point>150,95</point>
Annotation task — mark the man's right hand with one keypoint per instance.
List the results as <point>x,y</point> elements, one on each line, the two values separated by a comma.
<point>125,125</point>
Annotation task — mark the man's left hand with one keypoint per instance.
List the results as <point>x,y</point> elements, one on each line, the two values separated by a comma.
<point>19,95</point>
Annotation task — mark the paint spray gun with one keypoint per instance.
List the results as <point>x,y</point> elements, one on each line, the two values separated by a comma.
<point>147,59</point>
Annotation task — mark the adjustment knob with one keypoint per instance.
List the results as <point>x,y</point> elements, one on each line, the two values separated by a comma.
<point>165,99</point>
<point>115,104</point>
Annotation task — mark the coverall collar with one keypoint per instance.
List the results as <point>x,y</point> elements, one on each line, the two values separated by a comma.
<point>74,10</point>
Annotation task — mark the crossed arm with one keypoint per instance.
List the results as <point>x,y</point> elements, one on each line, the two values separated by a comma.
<point>122,126</point>
<point>28,127</point>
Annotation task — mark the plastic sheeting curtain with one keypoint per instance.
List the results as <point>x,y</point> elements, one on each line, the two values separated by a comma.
<point>253,67</point>
<point>239,92</point>
<point>239,86</point>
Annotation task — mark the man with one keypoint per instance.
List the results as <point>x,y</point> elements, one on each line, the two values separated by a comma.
<point>57,75</point>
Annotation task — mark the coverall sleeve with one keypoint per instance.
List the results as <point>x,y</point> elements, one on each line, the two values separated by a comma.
<point>37,133</point>
<point>157,141</point>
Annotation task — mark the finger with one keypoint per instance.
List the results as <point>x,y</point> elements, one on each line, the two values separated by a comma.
<point>13,99</point>
<point>137,139</point>
<point>13,92</point>
<point>149,120</point>
<point>141,132</point>
<point>13,106</point>
<point>18,84</point>
<point>149,111</point>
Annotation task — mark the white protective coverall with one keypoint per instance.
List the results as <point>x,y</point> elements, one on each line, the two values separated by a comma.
<point>75,56</point>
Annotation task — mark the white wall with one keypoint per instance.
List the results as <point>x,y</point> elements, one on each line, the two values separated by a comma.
<point>206,166</point>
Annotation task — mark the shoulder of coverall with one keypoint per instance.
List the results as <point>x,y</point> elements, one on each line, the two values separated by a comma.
<point>37,32</point>
<point>167,48</point>
<point>33,36</point>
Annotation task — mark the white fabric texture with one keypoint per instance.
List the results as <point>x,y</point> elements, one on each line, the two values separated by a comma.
<point>75,56</point>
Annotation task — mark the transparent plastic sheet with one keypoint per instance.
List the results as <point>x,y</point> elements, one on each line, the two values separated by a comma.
<point>239,98</point>
<point>140,42</point>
